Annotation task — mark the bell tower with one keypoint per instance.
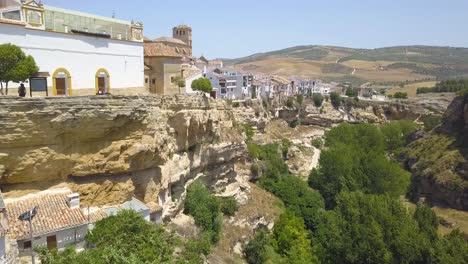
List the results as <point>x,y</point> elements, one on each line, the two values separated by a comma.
<point>184,33</point>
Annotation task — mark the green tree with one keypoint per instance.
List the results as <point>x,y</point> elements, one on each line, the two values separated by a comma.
<point>370,229</point>
<point>256,250</point>
<point>355,161</point>
<point>427,221</point>
<point>15,66</point>
<point>290,239</point>
<point>180,82</point>
<point>202,84</point>
<point>318,99</point>
<point>351,92</point>
<point>452,249</point>
<point>335,99</point>
<point>395,134</point>
<point>205,209</point>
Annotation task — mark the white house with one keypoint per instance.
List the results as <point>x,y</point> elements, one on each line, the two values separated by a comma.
<point>59,221</point>
<point>77,53</point>
<point>190,75</point>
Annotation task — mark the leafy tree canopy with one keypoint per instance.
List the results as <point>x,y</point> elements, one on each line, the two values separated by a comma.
<point>202,84</point>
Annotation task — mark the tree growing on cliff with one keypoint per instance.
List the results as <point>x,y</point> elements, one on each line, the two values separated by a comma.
<point>15,66</point>
<point>335,99</point>
<point>318,99</point>
<point>202,84</point>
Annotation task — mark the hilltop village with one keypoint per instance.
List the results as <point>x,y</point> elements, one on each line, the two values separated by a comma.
<point>85,54</point>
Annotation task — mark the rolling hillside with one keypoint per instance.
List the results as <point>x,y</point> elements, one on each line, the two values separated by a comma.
<point>387,66</point>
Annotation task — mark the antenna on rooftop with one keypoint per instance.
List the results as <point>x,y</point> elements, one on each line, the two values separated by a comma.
<point>113,14</point>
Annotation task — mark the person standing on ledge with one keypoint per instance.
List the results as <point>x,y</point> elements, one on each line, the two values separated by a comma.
<point>22,90</point>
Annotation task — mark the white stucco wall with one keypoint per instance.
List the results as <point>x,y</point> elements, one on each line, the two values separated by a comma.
<point>188,83</point>
<point>64,238</point>
<point>81,55</point>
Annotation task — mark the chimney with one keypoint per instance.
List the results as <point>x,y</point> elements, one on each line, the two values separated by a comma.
<point>73,200</point>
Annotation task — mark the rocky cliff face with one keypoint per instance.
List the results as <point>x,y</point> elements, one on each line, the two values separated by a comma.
<point>111,148</point>
<point>439,160</point>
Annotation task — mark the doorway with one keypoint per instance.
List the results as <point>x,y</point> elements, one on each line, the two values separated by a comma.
<point>102,81</point>
<point>52,242</point>
<point>60,85</point>
<point>61,82</point>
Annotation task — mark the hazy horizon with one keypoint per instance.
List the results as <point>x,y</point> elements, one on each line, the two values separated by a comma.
<point>227,30</point>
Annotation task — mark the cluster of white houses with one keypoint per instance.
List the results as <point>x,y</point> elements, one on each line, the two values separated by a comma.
<point>60,221</point>
<point>83,54</point>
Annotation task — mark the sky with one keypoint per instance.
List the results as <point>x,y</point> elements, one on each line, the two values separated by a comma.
<point>232,29</point>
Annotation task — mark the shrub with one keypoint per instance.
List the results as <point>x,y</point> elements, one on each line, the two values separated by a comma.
<point>400,95</point>
<point>300,99</point>
<point>431,121</point>
<point>205,209</point>
<point>229,206</point>
<point>290,102</point>
<point>256,250</point>
<point>249,132</point>
<point>318,99</point>
<point>351,92</point>
<point>317,143</point>
<point>335,99</point>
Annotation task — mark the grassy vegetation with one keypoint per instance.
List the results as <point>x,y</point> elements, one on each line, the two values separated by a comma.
<point>437,157</point>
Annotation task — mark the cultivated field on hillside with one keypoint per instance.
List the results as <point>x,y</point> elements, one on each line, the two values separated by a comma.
<point>393,65</point>
<point>410,89</point>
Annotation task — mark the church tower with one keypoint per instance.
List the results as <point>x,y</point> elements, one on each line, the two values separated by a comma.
<point>184,33</point>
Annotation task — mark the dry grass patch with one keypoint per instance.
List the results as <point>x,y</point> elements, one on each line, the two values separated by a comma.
<point>238,229</point>
<point>411,88</point>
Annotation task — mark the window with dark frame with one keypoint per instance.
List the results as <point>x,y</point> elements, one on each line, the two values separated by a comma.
<point>27,244</point>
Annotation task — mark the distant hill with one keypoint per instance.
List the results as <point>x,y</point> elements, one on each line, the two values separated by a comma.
<point>391,65</point>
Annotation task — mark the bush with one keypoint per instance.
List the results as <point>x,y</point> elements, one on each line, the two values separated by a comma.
<point>400,95</point>
<point>290,102</point>
<point>249,132</point>
<point>317,143</point>
<point>431,122</point>
<point>205,209</point>
<point>229,206</point>
<point>351,92</point>
<point>256,250</point>
<point>300,99</point>
<point>335,99</point>
<point>318,99</point>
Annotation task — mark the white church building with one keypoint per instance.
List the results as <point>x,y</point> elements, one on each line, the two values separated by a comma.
<point>77,53</point>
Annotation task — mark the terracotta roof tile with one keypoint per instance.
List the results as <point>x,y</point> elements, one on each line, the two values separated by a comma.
<point>161,50</point>
<point>170,40</point>
<point>53,214</point>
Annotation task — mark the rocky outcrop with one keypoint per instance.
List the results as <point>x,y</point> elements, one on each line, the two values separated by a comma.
<point>439,160</point>
<point>111,148</point>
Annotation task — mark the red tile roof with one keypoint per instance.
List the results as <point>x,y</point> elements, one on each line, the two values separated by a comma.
<point>161,50</point>
<point>53,214</point>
